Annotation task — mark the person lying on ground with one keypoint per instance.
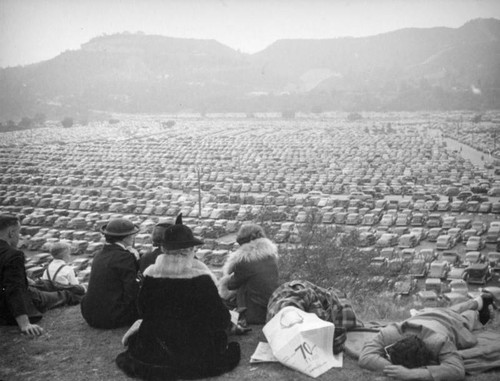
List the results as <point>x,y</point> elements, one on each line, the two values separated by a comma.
<point>425,346</point>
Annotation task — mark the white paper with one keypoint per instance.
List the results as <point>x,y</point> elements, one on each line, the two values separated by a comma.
<point>302,341</point>
<point>263,353</point>
<point>234,316</point>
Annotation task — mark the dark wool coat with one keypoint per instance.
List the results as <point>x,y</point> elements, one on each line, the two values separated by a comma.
<point>182,334</point>
<point>14,296</point>
<point>110,301</point>
<point>148,259</point>
<point>255,276</point>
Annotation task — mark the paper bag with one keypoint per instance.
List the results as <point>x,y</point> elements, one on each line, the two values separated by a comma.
<point>302,341</point>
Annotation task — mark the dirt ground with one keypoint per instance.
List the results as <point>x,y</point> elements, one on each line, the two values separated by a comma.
<point>72,351</point>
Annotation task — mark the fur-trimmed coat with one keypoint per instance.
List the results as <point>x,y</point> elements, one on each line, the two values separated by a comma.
<point>252,271</point>
<point>183,329</point>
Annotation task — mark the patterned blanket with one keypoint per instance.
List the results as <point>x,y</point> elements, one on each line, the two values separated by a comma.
<point>325,303</point>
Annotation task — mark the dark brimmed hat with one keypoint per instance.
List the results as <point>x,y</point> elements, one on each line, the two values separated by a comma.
<point>179,236</point>
<point>119,227</point>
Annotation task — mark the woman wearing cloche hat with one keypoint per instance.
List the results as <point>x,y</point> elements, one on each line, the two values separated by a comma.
<point>110,301</point>
<point>182,333</point>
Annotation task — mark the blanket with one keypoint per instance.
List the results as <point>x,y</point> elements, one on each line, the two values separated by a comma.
<point>481,358</point>
<point>327,304</point>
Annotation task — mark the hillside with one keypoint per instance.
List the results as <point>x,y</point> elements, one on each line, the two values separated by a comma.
<point>408,69</point>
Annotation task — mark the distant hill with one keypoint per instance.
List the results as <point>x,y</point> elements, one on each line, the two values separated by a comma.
<point>408,69</point>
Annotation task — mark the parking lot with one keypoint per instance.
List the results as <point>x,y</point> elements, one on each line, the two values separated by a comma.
<point>384,175</point>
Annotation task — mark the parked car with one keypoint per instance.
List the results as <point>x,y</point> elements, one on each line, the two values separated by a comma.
<point>464,223</point>
<point>369,219</point>
<point>478,273</point>
<point>387,220</point>
<point>420,233</point>
<point>388,252</point>
<point>428,298</point>
<point>493,234</point>
<point>429,254</point>
<point>418,268</point>
<point>408,254</point>
<point>443,206</point>
<point>435,220</point>
<point>407,240</point>
<point>449,222</point>
<point>485,207</point>
<point>474,257</point>
<point>353,219</point>
<point>438,270</point>
<point>387,239</point>
<point>378,264</point>
<point>445,242</point>
<point>452,257</point>
<point>457,273</point>
<point>467,234</point>
<point>493,258</point>
<point>434,233</point>
<point>402,220</point>
<point>475,243</point>
<point>459,286</point>
<point>434,284</point>
<point>458,206</point>
<point>456,233</point>
<point>418,219</point>
<point>479,226</point>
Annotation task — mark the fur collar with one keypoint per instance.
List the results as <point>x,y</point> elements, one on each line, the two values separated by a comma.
<point>258,249</point>
<point>177,267</point>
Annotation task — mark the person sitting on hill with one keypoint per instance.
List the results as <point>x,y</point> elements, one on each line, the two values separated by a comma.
<point>251,272</point>
<point>425,346</point>
<point>21,303</point>
<point>58,270</point>
<point>157,238</point>
<point>110,301</point>
<point>183,331</point>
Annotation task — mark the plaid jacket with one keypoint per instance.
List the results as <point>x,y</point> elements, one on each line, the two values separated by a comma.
<point>325,303</point>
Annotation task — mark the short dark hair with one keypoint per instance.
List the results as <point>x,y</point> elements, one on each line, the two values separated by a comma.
<point>7,220</point>
<point>410,352</point>
<point>113,238</point>
<point>158,232</point>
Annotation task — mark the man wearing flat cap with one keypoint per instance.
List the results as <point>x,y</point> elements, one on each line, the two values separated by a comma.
<point>110,301</point>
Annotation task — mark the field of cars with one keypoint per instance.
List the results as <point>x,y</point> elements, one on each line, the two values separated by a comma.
<point>425,213</point>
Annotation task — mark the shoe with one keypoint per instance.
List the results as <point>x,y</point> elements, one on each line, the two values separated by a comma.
<point>484,313</point>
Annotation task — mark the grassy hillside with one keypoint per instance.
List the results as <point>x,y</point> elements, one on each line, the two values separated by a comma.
<point>71,350</point>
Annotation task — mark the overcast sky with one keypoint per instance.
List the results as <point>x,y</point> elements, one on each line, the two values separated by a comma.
<point>36,30</point>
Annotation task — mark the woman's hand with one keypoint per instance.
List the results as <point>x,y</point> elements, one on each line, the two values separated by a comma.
<point>133,329</point>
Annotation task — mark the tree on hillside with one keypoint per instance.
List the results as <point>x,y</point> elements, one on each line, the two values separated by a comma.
<point>25,122</point>
<point>67,122</point>
<point>325,256</point>
<point>40,118</point>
